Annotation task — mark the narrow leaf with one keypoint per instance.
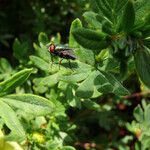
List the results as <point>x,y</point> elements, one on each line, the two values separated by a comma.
<point>142,63</point>
<point>11,120</point>
<point>146,114</point>
<point>16,80</point>
<point>29,103</point>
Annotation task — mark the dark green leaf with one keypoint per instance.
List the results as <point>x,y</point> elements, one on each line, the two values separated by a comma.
<point>20,50</point>
<point>43,38</point>
<point>90,18</point>
<point>142,62</point>
<point>90,39</point>
<point>91,105</point>
<point>128,17</point>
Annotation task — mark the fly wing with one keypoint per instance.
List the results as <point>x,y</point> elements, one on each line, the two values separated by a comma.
<point>69,53</point>
<point>63,48</point>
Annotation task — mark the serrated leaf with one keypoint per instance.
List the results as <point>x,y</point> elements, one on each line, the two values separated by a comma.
<point>40,63</point>
<point>142,63</point>
<point>16,80</point>
<point>42,38</point>
<point>128,17</point>
<point>118,88</point>
<point>11,120</point>
<point>29,103</point>
<point>90,39</point>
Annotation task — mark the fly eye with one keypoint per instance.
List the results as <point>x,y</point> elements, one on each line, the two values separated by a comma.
<point>52,48</point>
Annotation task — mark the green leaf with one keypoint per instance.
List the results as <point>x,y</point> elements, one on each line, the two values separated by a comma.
<point>5,65</point>
<point>138,114</point>
<point>20,50</point>
<point>40,63</point>
<point>102,7</point>
<point>90,18</point>
<point>74,25</point>
<point>147,115</point>
<point>119,5</point>
<point>90,39</point>
<point>42,38</point>
<point>142,10</point>
<point>49,81</point>
<point>142,63</point>
<point>42,52</point>
<point>102,83</point>
<point>29,103</point>
<point>11,121</point>
<point>128,17</point>
<point>86,88</point>
<point>118,89</point>
<point>16,80</point>
<point>68,148</point>
<point>74,77</point>
<point>91,104</point>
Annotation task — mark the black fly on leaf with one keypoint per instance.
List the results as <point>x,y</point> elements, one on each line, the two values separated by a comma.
<point>62,52</point>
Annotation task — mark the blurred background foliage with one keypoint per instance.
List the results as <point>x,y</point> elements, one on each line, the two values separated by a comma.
<point>97,121</point>
<point>26,19</point>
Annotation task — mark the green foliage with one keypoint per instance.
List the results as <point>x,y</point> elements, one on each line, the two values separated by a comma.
<point>142,57</point>
<point>90,39</point>
<point>62,106</point>
<point>140,127</point>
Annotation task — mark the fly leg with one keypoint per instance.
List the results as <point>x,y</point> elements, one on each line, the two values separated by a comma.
<point>60,63</point>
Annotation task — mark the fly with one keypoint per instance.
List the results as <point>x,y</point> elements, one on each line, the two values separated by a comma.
<point>61,51</point>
